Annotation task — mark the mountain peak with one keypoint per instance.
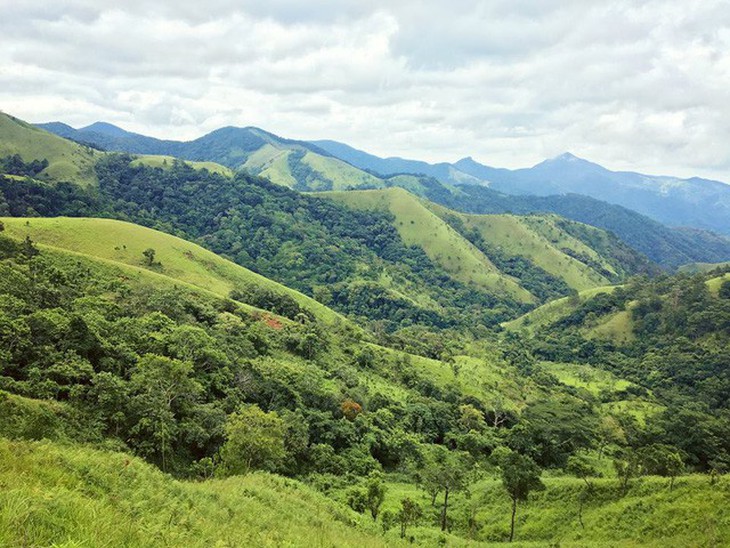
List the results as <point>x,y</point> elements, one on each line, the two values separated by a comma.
<point>568,157</point>
<point>104,128</point>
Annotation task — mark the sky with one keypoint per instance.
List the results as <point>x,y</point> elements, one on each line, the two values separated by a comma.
<point>639,85</point>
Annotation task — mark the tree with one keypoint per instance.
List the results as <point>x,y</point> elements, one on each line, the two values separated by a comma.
<point>581,467</point>
<point>255,441</point>
<point>410,512</point>
<point>725,290</point>
<point>520,476</point>
<point>445,471</point>
<point>374,493</point>
<point>164,393</point>
<point>149,255</point>
<point>661,460</point>
<point>627,467</point>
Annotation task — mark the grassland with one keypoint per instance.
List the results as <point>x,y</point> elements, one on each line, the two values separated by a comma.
<point>714,284</point>
<point>67,161</point>
<point>342,174</point>
<point>61,495</point>
<point>272,163</point>
<point>167,161</point>
<point>123,243</point>
<point>417,225</point>
<point>540,240</point>
<point>595,381</point>
<point>58,495</point>
<point>552,311</point>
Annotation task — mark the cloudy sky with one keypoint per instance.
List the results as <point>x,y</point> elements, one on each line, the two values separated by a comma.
<point>629,84</point>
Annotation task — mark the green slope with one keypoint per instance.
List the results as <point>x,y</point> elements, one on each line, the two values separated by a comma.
<point>553,311</point>
<point>180,260</point>
<point>539,239</point>
<point>67,161</point>
<point>419,226</point>
<point>153,160</point>
<point>542,240</point>
<point>57,495</point>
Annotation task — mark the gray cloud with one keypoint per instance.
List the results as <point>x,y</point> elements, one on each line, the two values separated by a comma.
<point>632,85</point>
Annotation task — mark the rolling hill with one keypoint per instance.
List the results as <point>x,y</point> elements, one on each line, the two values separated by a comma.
<point>483,249</point>
<point>123,244</point>
<point>67,161</point>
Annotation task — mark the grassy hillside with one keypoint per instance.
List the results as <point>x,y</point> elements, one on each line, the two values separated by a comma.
<point>417,225</point>
<point>67,161</point>
<point>76,496</point>
<point>73,496</point>
<point>486,249</point>
<point>553,311</point>
<point>539,239</point>
<point>178,259</point>
<point>167,161</point>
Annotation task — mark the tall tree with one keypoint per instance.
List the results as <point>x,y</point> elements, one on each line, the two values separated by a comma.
<point>520,476</point>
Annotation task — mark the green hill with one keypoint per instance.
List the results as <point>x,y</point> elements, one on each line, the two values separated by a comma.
<point>167,161</point>
<point>418,225</point>
<point>67,161</point>
<point>501,252</point>
<point>124,243</point>
<point>552,311</point>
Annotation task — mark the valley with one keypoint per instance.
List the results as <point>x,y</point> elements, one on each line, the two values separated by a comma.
<point>249,340</point>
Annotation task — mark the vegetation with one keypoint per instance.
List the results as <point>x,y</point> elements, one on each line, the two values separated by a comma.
<point>598,418</point>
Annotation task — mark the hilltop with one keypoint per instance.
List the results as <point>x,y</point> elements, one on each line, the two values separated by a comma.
<point>67,161</point>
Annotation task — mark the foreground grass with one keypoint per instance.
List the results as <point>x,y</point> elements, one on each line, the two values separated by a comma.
<point>54,495</point>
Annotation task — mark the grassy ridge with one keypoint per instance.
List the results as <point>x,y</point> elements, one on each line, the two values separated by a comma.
<point>417,225</point>
<point>123,243</point>
<point>552,311</point>
<point>67,161</point>
<point>540,240</point>
<point>75,496</point>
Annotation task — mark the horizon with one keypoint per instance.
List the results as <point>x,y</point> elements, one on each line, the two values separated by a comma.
<point>562,155</point>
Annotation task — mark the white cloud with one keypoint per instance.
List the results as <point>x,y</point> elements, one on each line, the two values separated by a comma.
<point>632,85</point>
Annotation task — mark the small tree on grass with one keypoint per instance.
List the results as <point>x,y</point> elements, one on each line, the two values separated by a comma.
<point>410,512</point>
<point>374,493</point>
<point>581,467</point>
<point>520,476</point>
<point>149,256</point>
<point>661,460</point>
<point>255,441</point>
<point>627,467</point>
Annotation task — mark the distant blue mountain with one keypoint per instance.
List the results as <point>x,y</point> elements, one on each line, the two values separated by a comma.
<point>695,202</point>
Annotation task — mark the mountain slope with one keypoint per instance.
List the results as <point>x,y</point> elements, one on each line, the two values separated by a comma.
<point>85,497</point>
<point>417,225</point>
<point>694,202</point>
<point>669,247</point>
<point>295,164</point>
<point>503,252</point>
<point>124,243</point>
<point>320,166</point>
<point>67,161</point>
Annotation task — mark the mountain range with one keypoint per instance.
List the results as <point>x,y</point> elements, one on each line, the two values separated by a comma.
<point>672,221</point>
